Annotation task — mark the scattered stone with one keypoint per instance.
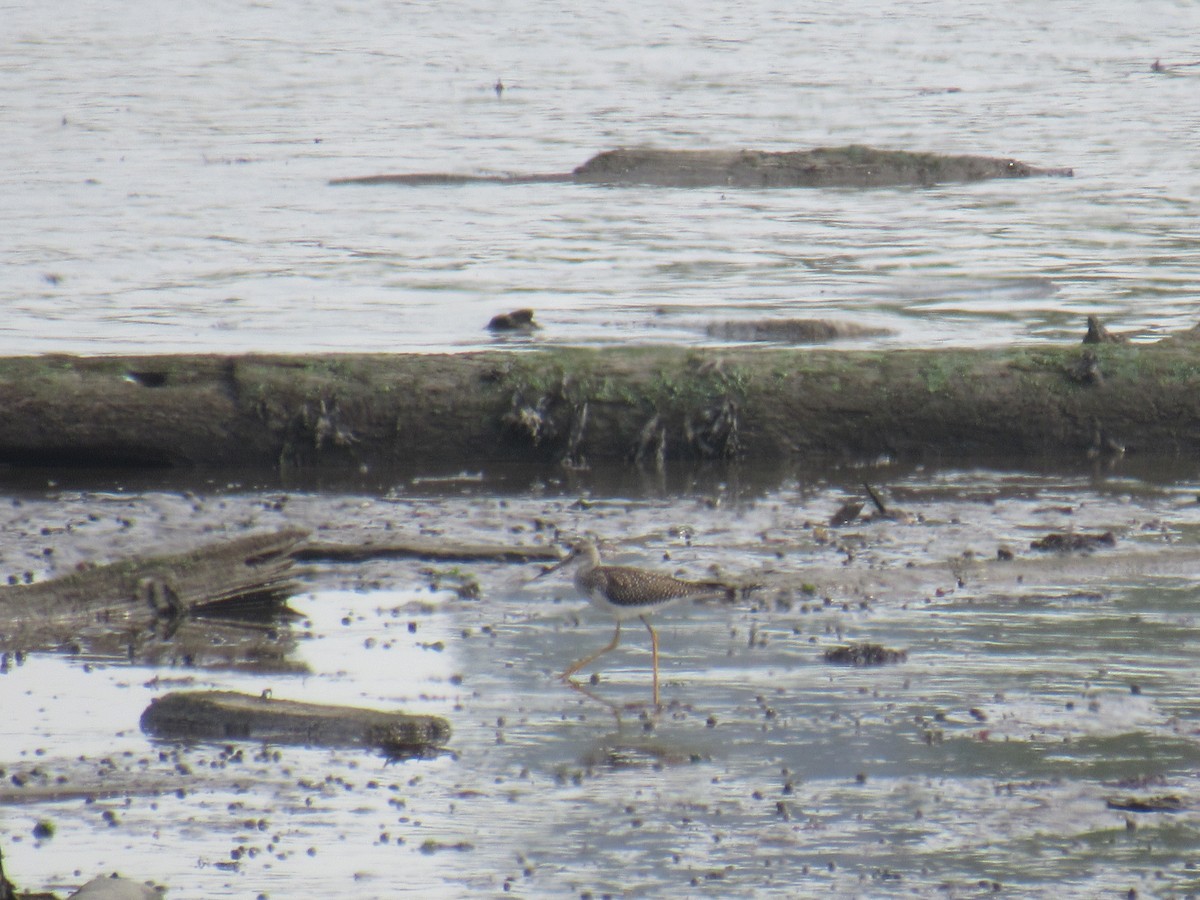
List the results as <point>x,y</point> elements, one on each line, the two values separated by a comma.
<point>864,655</point>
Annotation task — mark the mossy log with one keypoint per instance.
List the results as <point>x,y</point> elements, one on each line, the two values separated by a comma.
<point>149,609</point>
<point>228,715</point>
<point>574,406</point>
<point>849,166</point>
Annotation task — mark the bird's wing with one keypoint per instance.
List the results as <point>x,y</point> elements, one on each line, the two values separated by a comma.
<point>635,587</point>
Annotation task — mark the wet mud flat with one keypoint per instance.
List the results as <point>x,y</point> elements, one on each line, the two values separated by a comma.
<point>1039,733</point>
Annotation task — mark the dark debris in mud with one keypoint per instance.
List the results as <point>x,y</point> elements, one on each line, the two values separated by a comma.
<point>846,514</point>
<point>864,655</point>
<point>1067,543</point>
<point>1157,803</point>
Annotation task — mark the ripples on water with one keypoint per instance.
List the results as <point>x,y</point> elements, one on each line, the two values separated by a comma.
<point>165,179</point>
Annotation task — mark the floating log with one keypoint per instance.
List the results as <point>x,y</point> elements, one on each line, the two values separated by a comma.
<point>231,716</point>
<point>147,608</point>
<point>849,166</point>
<point>437,413</point>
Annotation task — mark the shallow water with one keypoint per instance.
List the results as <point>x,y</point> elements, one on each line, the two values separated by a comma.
<point>1033,692</point>
<point>166,179</point>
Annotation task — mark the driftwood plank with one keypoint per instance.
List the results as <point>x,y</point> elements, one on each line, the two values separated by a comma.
<point>228,715</point>
<point>119,607</point>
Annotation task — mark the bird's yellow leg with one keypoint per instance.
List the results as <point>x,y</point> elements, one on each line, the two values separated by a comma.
<point>653,654</point>
<point>588,659</point>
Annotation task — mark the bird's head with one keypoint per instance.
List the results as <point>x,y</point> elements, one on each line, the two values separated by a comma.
<point>583,549</point>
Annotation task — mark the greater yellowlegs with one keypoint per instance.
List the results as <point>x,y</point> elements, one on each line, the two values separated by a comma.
<point>626,591</point>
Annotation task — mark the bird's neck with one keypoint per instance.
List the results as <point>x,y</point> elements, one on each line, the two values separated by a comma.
<point>585,571</point>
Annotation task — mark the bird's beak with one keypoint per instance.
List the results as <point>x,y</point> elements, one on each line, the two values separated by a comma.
<point>558,565</point>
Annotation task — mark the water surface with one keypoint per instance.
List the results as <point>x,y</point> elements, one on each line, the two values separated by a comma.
<point>165,186</point>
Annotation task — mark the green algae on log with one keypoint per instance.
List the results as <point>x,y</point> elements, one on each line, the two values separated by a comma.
<point>850,166</point>
<point>572,406</point>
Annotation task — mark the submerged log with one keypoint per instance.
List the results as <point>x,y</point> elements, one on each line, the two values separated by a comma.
<point>849,166</point>
<point>575,406</point>
<point>146,608</point>
<point>852,166</point>
<point>228,715</point>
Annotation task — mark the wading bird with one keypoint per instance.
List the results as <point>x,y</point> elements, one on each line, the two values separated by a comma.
<point>625,592</point>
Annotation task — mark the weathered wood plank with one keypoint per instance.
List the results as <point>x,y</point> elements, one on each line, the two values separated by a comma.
<point>135,607</point>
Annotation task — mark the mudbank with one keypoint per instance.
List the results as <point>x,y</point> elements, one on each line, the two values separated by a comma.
<point>850,166</point>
